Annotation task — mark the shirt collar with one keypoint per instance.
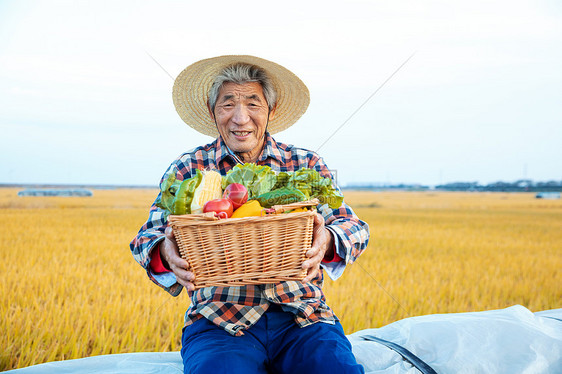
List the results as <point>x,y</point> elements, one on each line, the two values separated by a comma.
<point>221,151</point>
<point>270,149</point>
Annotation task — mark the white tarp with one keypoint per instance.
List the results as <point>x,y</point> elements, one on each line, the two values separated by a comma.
<point>512,340</point>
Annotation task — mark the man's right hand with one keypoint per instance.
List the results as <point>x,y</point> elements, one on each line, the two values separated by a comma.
<point>171,259</point>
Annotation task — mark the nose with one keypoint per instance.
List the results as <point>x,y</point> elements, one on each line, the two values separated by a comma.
<point>240,115</point>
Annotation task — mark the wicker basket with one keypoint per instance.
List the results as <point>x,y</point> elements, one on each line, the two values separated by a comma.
<point>249,250</point>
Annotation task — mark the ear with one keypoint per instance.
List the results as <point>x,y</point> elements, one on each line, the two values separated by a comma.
<point>272,112</point>
<point>210,111</point>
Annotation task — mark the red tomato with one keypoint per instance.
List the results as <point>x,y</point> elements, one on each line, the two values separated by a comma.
<point>236,193</point>
<point>219,206</point>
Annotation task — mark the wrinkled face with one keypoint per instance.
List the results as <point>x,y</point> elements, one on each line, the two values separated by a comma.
<point>241,115</point>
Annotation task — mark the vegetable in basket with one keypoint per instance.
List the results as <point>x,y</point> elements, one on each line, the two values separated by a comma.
<point>260,180</point>
<point>313,185</point>
<point>236,193</point>
<point>209,189</point>
<point>222,207</point>
<point>250,209</point>
<point>190,195</point>
<point>257,179</point>
<point>298,210</point>
<point>281,196</point>
<point>176,196</point>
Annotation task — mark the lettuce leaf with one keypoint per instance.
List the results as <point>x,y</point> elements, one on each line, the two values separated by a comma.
<point>313,185</point>
<point>258,179</point>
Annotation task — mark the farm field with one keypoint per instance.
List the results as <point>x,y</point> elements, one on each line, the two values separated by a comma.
<point>70,287</point>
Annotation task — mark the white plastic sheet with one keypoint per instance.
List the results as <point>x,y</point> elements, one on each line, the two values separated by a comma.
<point>511,340</point>
<point>125,363</point>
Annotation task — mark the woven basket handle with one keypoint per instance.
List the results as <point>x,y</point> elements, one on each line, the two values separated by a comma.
<point>300,204</point>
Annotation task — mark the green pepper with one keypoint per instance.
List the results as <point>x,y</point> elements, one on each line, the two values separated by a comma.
<point>281,196</point>
<point>184,194</point>
<point>176,196</point>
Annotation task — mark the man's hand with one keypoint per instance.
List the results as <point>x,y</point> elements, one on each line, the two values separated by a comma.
<point>171,259</point>
<point>322,246</point>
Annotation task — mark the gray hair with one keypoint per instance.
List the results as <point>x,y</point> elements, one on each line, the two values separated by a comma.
<point>241,73</point>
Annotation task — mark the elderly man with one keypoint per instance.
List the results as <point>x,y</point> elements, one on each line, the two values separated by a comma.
<point>281,328</point>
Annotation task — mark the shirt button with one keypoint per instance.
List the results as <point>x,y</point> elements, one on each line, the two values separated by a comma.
<point>248,323</point>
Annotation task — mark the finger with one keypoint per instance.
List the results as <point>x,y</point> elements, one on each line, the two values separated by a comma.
<point>318,222</point>
<point>184,277</point>
<point>313,251</point>
<point>178,262</point>
<point>314,261</point>
<point>318,219</point>
<point>187,285</point>
<point>172,258</point>
<point>318,237</point>
<point>170,234</point>
<point>310,275</point>
<point>319,244</point>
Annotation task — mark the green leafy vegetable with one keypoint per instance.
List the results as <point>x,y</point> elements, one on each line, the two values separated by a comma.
<point>261,179</point>
<point>313,185</point>
<point>257,179</point>
<point>282,179</point>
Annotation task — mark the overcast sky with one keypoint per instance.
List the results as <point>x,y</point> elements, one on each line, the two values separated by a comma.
<point>82,101</point>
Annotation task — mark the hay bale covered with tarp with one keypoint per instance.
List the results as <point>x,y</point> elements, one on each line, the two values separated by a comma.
<point>55,192</point>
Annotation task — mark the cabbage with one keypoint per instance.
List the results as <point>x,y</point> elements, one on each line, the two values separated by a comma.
<point>257,179</point>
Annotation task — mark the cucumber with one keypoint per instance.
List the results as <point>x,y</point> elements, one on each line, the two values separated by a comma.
<point>280,196</point>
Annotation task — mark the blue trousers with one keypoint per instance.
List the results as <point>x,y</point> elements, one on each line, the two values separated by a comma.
<point>275,344</point>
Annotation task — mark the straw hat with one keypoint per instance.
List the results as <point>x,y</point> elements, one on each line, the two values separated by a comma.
<point>192,86</point>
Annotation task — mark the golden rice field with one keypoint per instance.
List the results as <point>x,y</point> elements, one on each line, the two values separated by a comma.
<point>70,287</point>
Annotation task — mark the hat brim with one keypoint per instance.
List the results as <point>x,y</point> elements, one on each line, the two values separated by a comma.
<point>192,86</point>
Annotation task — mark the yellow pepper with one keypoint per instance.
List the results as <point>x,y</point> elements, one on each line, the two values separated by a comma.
<point>297,210</point>
<point>249,209</point>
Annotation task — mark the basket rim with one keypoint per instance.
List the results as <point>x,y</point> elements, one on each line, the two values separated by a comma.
<point>278,209</point>
<point>194,219</point>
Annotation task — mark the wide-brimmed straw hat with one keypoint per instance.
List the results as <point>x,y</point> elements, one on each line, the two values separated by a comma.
<point>192,86</point>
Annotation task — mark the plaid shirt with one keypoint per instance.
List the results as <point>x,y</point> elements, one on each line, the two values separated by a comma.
<point>238,308</point>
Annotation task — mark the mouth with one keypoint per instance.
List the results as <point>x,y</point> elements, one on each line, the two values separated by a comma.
<point>241,134</point>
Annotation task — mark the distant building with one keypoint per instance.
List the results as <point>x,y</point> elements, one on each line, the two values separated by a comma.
<point>55,192</point>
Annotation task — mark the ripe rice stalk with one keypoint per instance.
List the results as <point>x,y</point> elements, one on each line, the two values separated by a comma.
<point>71,288</point>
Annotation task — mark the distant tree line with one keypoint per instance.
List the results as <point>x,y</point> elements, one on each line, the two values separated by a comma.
<point>386,186</point>
<point>522,185</point>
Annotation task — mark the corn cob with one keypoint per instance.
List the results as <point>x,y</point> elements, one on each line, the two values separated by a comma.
<point>209,189</point>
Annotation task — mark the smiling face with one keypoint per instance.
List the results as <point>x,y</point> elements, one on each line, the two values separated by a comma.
<point>241,114</point>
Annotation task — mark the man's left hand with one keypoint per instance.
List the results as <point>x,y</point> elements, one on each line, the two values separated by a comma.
<point>322,246</point>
